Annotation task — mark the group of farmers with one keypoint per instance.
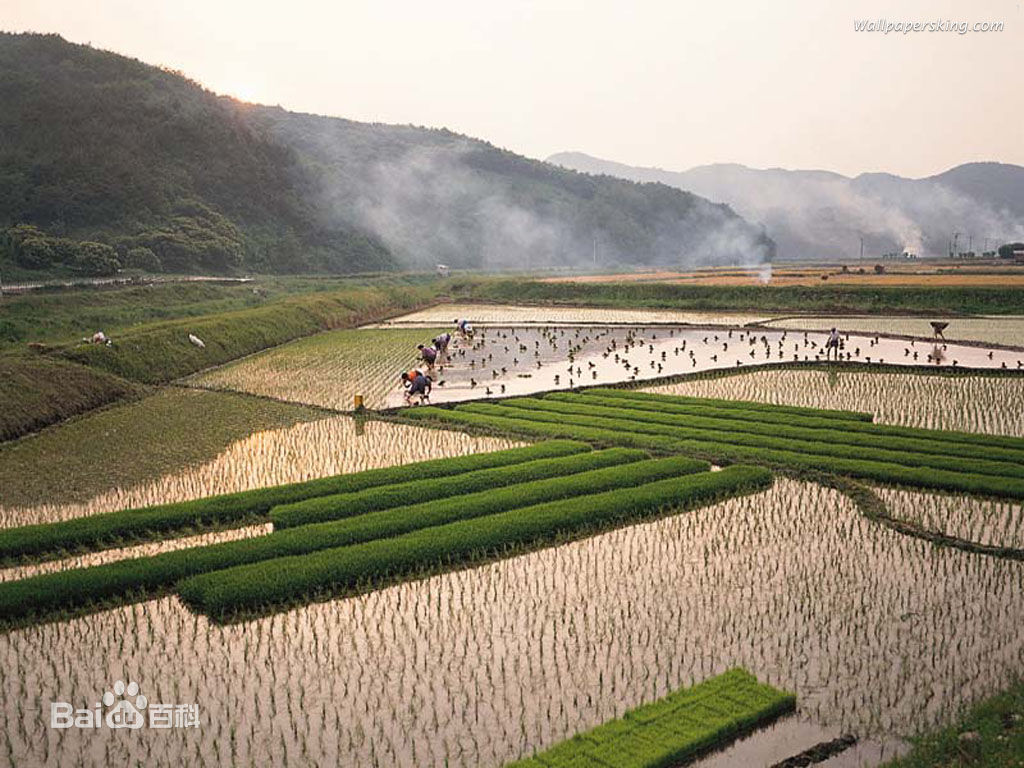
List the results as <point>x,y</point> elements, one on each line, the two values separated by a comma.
<point>418,381</point>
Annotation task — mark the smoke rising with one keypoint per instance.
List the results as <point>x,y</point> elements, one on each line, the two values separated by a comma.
<point>433,197</point>
<point>822,215</point>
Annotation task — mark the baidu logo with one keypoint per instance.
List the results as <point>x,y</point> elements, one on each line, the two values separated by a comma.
<point>124,707</point>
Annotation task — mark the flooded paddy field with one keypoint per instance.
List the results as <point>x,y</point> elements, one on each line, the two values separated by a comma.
<point>328,446</point>
<point>328,370</point>
<point>989,404</point>
<point>981,521</point>
<point>515,360</point>
<point>878,634</point>
<point>1002,329</point>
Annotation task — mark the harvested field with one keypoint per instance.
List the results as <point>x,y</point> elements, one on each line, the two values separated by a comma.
<point>814,276</point>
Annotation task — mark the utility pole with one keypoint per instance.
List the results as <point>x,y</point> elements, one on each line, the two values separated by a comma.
<point>862,247</point>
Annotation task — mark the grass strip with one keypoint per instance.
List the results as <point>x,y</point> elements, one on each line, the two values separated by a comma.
<point>126,580</point>
<point>262,586</point>
<point>531,408</point>
<point>673,729</point>
<point>726,453</point>
<point>996,740</point>
<point>1007,442</point>
<point>678,403</point>
<point>936,441</point>
<point>430,488</point>
<point>731,405</point>
<point>148,523</point>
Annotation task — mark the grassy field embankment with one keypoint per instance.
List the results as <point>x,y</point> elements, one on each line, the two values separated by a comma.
<point>63,376</point>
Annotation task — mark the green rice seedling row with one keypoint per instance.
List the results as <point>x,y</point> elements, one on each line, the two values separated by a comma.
<point>430,488</point>
<point>673,729</point>
<point>984,404</point>
<point>767,415</point>
<point>255,587</point>
<point>919,470</point>
<point>622,419</point>
<point>937,442</point>
<point>127,580</point>
<point>98,531</point>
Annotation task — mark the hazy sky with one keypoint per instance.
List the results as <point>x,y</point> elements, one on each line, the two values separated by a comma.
<point>671,84</point>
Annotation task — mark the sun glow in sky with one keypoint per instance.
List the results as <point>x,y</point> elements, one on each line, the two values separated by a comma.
<point>672,83</point>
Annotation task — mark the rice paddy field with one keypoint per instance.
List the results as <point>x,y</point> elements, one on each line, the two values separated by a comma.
<point>328,369</point>
<point>564,561</point>
<point>478,667</point>
<point>992,405</point>
<point>1005,329</point>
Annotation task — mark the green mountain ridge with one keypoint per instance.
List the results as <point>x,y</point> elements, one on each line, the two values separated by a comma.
<point>150,170</point>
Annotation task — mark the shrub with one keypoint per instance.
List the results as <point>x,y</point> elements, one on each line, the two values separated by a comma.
<point>258,586</point>
<point>235,508</point>
<point>141,257</point>
<point>95,259</point>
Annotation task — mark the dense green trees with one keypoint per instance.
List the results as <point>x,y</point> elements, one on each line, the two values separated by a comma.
<point>103,149</point>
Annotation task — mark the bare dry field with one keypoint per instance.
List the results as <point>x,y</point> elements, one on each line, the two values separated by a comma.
<point>790,275</point>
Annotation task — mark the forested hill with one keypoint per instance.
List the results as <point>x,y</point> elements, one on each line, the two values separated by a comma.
<point>101,147</point>
<point>107,162</point>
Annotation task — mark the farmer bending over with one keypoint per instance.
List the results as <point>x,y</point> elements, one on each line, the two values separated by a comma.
<point>441,345</point>
<point>418,386</point>
<point>408,377</point>
<point>429,355</point>
<point>464,328</point>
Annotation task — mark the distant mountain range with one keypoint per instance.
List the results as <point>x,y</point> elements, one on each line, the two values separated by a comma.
<point>108,162</point>
<point>824,215</point>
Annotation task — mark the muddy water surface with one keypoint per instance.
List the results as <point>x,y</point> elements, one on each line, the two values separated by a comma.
<point>878,634</point>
